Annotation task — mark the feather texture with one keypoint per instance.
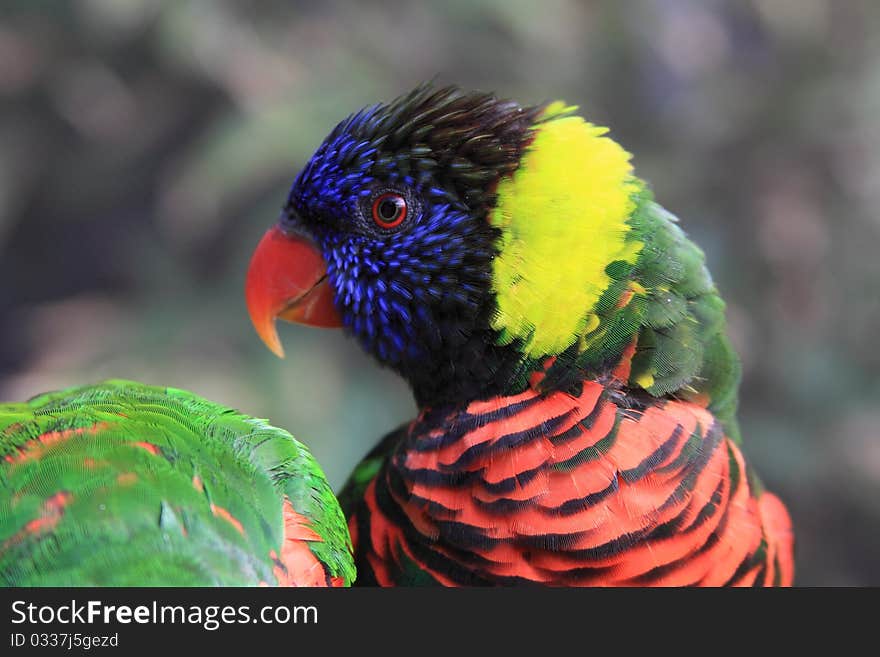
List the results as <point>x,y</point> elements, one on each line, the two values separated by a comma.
<point>564,341</point>
<point>564,490</point>
<point>125,484</point>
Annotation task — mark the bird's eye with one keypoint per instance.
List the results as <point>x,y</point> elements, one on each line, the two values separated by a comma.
<point>389,210</point>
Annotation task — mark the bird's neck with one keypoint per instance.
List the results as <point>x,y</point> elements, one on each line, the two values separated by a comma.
<point>503,373</point>
<point>474,370</point>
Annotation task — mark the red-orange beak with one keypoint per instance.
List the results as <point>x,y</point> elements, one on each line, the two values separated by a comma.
<point>287,279</point>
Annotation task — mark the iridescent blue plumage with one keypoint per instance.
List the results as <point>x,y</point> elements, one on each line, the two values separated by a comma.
<point>387,284</point>
<point>422,286</point>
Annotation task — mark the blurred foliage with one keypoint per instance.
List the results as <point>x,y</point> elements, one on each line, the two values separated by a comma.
<point>146,145</point>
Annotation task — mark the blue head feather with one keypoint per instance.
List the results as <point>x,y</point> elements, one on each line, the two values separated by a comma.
<point>417,296</point>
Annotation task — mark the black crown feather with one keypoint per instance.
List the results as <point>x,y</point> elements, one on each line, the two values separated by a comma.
<point>465,141</point>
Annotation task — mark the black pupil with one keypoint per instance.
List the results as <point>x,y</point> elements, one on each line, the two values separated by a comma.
<point>389,209</point>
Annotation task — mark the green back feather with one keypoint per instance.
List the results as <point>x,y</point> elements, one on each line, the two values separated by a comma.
<point>90,503</point>
<point>675,313</point>
<point>683,348</point>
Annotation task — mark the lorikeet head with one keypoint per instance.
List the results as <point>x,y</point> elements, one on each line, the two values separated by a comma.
<point>466,242</point>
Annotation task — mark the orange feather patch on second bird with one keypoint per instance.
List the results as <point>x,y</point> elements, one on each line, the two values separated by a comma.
<point>297,565</point>
<point>220,512</point>
<point>35,448</point>
<point>48,517</point>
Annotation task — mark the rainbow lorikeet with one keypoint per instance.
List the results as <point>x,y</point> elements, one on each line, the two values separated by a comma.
<point>124,484</point>
<point>563,339</point>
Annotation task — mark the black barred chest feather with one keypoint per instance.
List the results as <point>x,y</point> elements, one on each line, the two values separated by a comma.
<point>569,490</point>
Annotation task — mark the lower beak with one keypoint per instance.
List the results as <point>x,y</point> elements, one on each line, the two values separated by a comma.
<point>287,279</point>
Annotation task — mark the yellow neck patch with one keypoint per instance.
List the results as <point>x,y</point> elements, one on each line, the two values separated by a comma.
<point>563,216</point>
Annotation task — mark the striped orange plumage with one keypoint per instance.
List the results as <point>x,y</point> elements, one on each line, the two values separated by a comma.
<point>565,489</point>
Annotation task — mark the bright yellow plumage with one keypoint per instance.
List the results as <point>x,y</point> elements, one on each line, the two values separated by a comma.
<point>563,216</point>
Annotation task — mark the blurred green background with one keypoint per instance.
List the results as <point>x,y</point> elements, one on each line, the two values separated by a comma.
<point>145,146</point>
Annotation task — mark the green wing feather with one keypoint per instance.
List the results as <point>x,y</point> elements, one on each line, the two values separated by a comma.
<point>124,484</point>
<point>683,348</point>
<point>675,313</point>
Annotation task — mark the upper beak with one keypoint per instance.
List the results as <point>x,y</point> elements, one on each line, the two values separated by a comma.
<point>287,278</point>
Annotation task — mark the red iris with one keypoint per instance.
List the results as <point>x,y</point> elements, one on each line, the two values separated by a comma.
<point>389,210</point>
